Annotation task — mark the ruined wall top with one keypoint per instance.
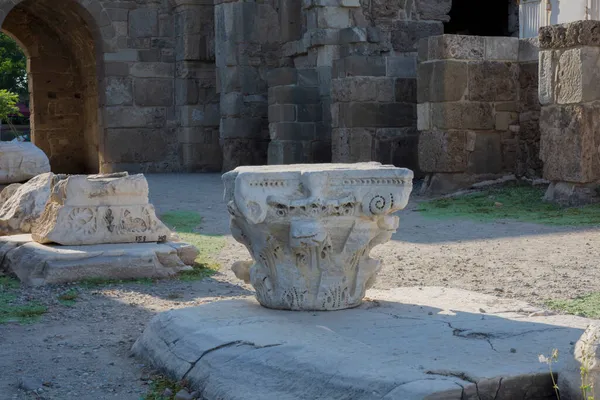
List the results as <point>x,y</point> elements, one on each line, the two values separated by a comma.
<point>462,47</point>
<point>579,33</point>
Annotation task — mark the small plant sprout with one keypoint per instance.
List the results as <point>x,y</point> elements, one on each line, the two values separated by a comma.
<point>550,360</point>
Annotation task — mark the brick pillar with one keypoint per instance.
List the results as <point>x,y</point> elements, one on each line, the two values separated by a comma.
<point>569,89</point>
<point>196,99</point>
<point>467,102</point>
<point>296,118</point>
<point>373,112</point>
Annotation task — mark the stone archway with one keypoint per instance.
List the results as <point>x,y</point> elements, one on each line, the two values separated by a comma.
<point>63,47</point>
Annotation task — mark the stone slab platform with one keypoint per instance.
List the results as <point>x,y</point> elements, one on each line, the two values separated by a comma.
<point>38,264</point>
<point>403,344</point>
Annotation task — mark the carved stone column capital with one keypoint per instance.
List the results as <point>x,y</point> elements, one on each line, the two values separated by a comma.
<point>310,229</point>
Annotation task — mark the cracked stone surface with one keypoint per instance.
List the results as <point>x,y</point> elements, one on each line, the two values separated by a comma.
<point>404,343</point>
<point>37,264</point>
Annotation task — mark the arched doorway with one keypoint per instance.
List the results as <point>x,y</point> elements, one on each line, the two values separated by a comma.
<point>60,39</point>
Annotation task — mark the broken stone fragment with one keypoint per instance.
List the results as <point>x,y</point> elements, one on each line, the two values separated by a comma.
<point>20,161</point>
<point>8,191</point>
<point>23,207</point>
<point>100,209</point>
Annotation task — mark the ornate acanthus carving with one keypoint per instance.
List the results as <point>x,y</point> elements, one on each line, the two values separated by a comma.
<point>310,229</point>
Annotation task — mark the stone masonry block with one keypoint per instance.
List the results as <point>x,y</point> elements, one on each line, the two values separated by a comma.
<point>359,66</point>
<point>282,76</point>
<point>136,145</point>
<point>547,66</point>
<point>578,33</point>
<point>435,10</point>
<point>578,75</point>
<point>406,34</point>
<point>462,115</point>
<point>153,92</point>
<point>119,91</point>
<point>292,131</point>
<point>501,48</point>
<point>457,47</point>
<point>351,145</point>
<point>282,113</point>
<point>353,115</point>
<point>442,81</point>
<point>486,155</point>
<point>404,66</point>
<point>293,95</point>
<point>406,90</point>
<point>143,22</point>
<point>289,152</point>
<point>569,143</point>
<point>493,81</point>
<point>244,128</point>
<point>443,151</point>
<point>424,116</point>
<point>333,17</point>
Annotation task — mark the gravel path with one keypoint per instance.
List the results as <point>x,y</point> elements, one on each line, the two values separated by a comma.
<point>82,352</point>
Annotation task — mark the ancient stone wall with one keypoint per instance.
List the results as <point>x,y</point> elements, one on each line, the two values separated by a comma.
<point>121,84</point>
<point>569,90</point>
<point>467,102</point>
<point>528,129</point>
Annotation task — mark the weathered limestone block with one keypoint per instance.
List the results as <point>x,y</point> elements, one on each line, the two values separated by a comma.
<point>23,208</point>
<point>37,264</point>
<point>8,191</point>
<point>585,354</point>
<point>100,209</point>
<point>310,229</point>
<point>20,161</point>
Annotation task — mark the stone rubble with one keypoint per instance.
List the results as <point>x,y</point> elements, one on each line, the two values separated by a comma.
<point>21,211</point>
<point>21,161</point>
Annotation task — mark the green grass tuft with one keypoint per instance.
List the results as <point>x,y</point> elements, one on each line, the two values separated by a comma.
<point>516,202</point>
<point>186,224</point>
<point>585,306</point>
<point>69,297</point>
<point>158,386</point>
<point>11,310</point>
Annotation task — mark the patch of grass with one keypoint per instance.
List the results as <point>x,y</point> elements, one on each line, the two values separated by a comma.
<point>10,308</point>
<point>517,202</point>
<point>8,283</point>
<point>186,224</point>
<point>585,306</point>
<point>69,297</point>
<point>159,385</point>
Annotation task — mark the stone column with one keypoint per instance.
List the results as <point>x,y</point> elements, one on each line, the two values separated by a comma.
<point>467,100</point>
<point>310,229</point>
<point>296,118</point>
<point>569,89</point>
<point>196,97</point>
<point>247,45</point>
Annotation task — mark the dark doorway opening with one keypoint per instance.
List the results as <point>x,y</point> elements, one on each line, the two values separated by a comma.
<point>483,18</point>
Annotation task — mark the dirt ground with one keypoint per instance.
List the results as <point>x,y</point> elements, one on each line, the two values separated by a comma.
<point>82,352</point>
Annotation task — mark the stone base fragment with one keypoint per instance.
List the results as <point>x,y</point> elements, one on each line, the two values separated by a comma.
<point>20,161</point>
<point>100,209</point>
<point>401,344</point>
<point>37,264</point>
<point>573,194</point>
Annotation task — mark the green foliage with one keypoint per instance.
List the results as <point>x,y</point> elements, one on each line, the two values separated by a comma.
<point>586,306</point>
<point>13,66</point>
<point>13,310</point>
<point>516,202</point>
<point>8,104</point>
<point>158,386</point>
